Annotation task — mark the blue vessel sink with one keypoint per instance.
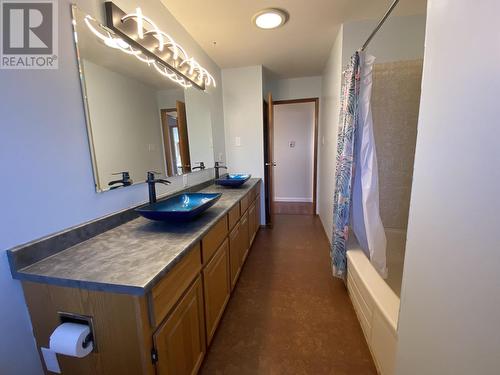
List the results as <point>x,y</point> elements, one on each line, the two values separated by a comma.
<point>181,207</point>
<point>233,179</point>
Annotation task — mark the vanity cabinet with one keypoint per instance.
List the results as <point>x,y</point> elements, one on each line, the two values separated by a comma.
<point>217,286</point>
<point>233,216</point>
<point>254,214</point>
<point>244,203</point>
<point>168,291</point>
<point>210,243</point>
<point>245,238</point>
<point>180,340</point>
<point>167,330</point>
<point>252,221</point>
<point>235,238</point>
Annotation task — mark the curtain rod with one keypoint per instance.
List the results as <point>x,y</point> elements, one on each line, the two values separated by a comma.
<point>381,22</point>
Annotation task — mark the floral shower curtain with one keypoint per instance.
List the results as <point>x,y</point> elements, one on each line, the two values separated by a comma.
<point>356,196</point>
<point>345,165</point>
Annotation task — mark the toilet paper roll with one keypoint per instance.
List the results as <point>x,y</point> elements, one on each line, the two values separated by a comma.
<point>71,339</point>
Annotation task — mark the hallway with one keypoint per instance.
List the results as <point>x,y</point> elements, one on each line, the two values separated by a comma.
<point>287,314</point>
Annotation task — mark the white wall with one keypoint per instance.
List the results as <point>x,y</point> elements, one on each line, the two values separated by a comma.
<point>401,38</point>
<point>450,300</point>
<point>243,116</point>
<point>329,115</point>
<point>293,174</point>
<point>167,99</point>
<point>44,145</point>
<point>296,88</point>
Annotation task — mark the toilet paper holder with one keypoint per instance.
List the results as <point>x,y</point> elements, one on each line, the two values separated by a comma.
<point>66,317</point>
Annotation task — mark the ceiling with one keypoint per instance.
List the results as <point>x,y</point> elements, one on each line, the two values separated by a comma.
<point>299,48</point>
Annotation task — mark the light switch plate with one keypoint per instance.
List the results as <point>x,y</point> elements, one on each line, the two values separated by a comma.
<point>185,180</point>
<point>237,141</point>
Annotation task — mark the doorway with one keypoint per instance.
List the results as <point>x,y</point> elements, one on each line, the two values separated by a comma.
<point>290,153</point>
<point>175,140</point>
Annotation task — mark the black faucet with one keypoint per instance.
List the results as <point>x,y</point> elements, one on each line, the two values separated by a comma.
<point>152,181</point>
<point>201,166</point>
<point>218,166</point>
<point>124,181</point>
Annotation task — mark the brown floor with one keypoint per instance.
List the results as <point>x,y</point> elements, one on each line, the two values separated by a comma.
<point>293,208</point>
<point>287,314</point>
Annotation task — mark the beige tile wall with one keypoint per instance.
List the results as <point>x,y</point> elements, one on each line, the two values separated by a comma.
<point>395,104</point>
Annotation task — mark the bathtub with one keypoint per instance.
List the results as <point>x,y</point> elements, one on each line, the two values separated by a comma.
<point>376,301</point>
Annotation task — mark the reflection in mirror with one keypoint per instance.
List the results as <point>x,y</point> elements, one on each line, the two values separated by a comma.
<point>137,120</point>
<point>175,140</point>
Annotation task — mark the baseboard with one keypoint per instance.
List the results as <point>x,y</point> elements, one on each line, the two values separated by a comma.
<point>293,199</point>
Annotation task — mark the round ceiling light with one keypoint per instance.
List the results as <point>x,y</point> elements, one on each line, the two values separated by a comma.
<point>271,18</point>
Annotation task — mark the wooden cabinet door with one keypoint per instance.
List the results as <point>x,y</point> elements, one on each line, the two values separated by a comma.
<point>217,286</point>
<point>180,340</point>
<point>257,214</point>
<point>251,222</point>
<point>235,254</point>
<point>245,237</point>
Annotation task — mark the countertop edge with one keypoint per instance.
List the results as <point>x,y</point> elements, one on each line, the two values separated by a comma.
<point>121,288</point>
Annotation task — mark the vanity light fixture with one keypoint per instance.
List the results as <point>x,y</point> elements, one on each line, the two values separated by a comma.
<point>270,18</point>
<point>152,46</point>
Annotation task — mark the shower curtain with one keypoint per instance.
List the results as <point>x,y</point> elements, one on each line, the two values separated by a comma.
<point>356,197</point>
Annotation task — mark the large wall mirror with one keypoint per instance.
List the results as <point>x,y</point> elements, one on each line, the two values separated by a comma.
<point>137,120</point>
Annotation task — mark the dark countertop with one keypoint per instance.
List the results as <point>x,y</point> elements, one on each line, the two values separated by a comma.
<point>132,257</point>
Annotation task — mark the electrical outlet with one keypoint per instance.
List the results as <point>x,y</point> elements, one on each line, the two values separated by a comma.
<point>237,141</point>
<point>185,180</point>
<point>220,157</point>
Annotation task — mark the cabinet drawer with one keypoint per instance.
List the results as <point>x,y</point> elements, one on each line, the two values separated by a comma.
<point>233,216</point>
<point>168,291</point>
<point>251,195</point>
<point>244,204</point>
<point>217,287</point>
<point>212,240</point>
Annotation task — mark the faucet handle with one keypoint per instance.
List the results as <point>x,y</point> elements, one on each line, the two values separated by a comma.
<point>151,176</point>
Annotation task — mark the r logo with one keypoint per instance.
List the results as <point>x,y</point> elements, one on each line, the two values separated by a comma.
<point>27,28</point>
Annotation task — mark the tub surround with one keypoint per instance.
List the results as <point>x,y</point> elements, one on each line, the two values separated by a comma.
<point>132,257</point>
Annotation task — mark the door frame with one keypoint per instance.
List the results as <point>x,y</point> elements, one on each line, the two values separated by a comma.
<point>315,137</point>
<point>268,158</point>
<point>167,141</point>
